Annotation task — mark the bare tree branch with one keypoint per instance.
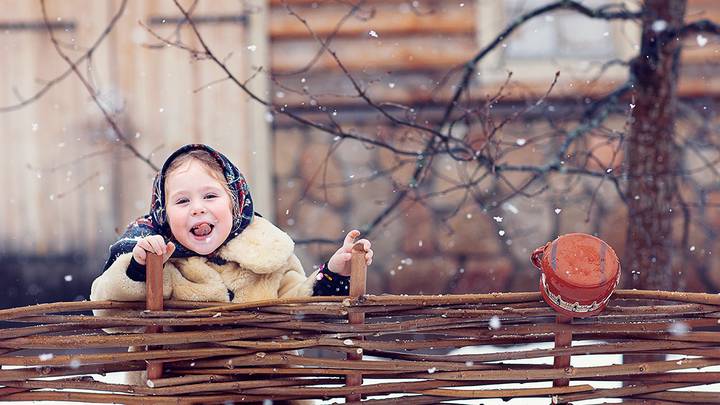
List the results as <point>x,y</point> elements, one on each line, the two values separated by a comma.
<point>91,90</point>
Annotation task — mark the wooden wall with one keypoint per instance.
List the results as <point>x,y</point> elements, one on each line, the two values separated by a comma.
<point>71,184</point>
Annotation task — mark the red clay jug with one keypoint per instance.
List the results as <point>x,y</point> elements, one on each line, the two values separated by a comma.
<point>579,273</point>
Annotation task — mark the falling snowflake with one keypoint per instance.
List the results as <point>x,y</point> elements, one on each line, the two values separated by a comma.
<point>659,25</point>
<point>373,34</point>
<point>498,219</point>
<point>501,232</point>
<point>509,207</point>
<point>701,40</point>
<point>68,277</point>
<point>558,210</point>
<point>252,48</point>
<point>521,141</point>
<point>494,322</point>
<point>46,356</point>
<point>678,328</point>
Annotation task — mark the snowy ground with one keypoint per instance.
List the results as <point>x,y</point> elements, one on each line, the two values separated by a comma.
<point>576,361</point>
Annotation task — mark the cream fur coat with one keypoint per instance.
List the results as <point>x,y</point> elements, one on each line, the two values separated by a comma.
<point>261,264</point>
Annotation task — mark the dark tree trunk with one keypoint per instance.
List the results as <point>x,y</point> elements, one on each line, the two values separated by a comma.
<point>652,158</point>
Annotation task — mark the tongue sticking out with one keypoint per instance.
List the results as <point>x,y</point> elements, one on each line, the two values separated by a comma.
<point>202,229</point>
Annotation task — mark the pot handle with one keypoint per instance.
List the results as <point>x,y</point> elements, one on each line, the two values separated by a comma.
<point>536,256</point>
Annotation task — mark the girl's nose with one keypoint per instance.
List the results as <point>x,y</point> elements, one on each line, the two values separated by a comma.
<point>198,210</point>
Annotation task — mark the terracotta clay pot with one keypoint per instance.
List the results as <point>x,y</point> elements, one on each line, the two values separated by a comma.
<point>579,273</point>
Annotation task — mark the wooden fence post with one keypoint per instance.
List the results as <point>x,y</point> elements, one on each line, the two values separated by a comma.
<point>358,286</point>
<point>563,338</point>
<point>154,302</point>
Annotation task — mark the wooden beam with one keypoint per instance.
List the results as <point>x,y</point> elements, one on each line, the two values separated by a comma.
<point>69,26</point>
<point>387,20</point>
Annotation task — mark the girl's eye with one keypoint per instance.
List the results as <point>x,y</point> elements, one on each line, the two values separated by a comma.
<point>181,201</point>
<point>211,196</point>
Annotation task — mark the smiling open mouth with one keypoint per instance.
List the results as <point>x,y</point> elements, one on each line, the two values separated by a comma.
<point>202,229</point>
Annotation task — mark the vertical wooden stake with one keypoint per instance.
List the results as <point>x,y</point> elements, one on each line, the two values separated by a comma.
<point>154,302</point>
<point>358,287</point>
<point>563,338</point>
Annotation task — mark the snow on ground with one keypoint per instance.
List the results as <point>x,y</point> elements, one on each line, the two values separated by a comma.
<point>576,361</point>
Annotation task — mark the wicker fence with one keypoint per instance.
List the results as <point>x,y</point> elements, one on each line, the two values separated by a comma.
<point>397,344</point>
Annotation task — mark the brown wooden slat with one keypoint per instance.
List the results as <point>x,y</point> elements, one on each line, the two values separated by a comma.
<point>387,20</point>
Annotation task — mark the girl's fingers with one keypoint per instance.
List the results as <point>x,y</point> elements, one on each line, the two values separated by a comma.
<point>366,244</point>
<point>140,256</point>
<point>350,238</point>
<point>344,257</point>
<point>159,244</point>
<point>156,247</point>
<point>162,245</point>
<point>170,248</point>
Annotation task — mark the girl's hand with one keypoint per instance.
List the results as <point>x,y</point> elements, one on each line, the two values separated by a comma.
<point>153,244</point>
<point>340,261</point>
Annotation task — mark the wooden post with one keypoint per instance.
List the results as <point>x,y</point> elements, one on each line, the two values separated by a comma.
<point>358,287</point>
<point>563,338</point>
<point>154,302</point>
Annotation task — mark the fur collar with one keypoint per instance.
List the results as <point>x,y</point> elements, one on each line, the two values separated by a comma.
<point>261,247</point>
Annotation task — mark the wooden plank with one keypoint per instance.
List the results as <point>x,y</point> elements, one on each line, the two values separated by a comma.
<point>417,52</point>
<point>386,20</point>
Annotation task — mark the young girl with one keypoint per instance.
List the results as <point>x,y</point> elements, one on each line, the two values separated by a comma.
<point>214,246</point>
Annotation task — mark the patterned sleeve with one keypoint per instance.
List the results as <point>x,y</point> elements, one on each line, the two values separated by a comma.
<point>135,231</point>
<point>136,271</point>
<point>330,283</point>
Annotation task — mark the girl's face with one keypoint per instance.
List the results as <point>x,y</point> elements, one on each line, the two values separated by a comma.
<point>198,208</point>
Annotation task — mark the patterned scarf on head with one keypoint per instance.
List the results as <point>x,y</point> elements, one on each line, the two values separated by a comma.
<point>156,223</point>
